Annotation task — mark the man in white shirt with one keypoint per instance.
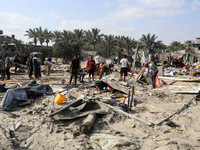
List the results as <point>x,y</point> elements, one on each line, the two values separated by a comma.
<point>124,67</point>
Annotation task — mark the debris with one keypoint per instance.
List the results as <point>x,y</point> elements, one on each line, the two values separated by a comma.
<point>179,110</point>
<point>16,125</point>
<point>88,123</point>
<point>129,115</point>
<point>107,141</point>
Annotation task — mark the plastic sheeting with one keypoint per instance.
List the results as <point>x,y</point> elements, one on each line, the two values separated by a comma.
<point>11,96</point>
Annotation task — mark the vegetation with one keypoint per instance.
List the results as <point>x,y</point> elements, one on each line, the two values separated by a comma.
<point>65,43</point>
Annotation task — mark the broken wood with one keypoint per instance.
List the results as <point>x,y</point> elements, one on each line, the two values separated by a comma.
<point>140,74</point>
<point>132,99</point>
<point>17,82</point>
<point>88,123</point>
<point>180,79</point>
<point>133,66</point>
<point>128,100</point>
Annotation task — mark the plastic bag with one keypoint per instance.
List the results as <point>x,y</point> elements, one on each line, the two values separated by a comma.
<point>107,141</point>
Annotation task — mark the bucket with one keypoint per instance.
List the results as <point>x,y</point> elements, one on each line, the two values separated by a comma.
<point>60,98</point>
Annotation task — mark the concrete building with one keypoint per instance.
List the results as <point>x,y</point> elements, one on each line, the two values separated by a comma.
<point>196,46</point>
<point>6,42</point>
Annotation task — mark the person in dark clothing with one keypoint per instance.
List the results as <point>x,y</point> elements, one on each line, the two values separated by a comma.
<point>7,66</point>
<point>154,71</point>
<point>107,69</point>
<point>74,68</point>
<point>35,63</point>
<point>30,66</point>
<point>16,61</point>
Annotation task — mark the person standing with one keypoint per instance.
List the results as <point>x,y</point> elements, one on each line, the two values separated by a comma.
<point>154,71</point>
<point>16,61</point>
<point>2,68</point>
<point>107,68</point>
<point>124,68</point>
<point>74,68</point>
<point>91,67</point>
<point>30,66</point>
<point>35,64</point>
<point>39,66</point>
<point>7,66</point>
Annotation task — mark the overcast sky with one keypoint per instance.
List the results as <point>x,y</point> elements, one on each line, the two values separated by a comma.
<point>170,20</point>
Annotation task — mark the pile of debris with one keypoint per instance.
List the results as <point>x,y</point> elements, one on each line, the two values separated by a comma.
<point>105,114</point>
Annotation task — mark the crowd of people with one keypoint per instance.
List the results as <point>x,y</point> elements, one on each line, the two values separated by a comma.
<point>34,66</point>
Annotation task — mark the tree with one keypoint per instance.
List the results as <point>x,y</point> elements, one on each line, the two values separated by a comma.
<point>79,36</point>
<point>47,36</point>
<point>175,45</point>
<point>158,45</point>
<point>32,34</point>
<point>56,36</point>
<point>93,37</point>
<point>40,34</point>
<point>109,43</point>
<point>188,44</point>
<point>148,41</point>
<point>128,43</point>
<point>65,50</point>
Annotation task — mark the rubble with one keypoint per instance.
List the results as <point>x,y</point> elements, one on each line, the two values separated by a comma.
<point>111,114</point>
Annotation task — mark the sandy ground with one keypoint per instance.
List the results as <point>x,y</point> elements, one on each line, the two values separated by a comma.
<point>38,131</point>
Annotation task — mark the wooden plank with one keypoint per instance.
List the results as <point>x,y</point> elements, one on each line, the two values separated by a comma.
<point>180,79</point>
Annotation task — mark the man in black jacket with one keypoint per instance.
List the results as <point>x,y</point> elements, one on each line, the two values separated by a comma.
<point>74,68</point>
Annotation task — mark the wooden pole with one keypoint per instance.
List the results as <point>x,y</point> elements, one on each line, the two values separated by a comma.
<point>88,123</point>
<point>133,65</point>
<point>131,99</point>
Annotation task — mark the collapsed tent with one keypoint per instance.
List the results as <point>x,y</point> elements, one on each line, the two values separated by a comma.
<point>31,90</point>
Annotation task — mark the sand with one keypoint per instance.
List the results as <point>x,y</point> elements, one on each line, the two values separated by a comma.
<point>38,131</point>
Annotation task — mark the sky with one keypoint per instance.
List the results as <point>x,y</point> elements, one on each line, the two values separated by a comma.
<point>170,20</point>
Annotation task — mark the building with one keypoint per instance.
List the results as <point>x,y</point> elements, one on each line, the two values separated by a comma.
<point>6,42</point>
<point>196,46</point>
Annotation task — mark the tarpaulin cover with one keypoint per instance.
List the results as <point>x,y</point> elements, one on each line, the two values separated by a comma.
<point>12,95</point>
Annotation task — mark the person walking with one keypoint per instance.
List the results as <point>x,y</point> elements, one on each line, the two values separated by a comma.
<point>154,70</point>
<point>91,66</point>
<point>7,66</point>
<point>2,68</point>
<point>74,68</point>
<point>107,68</point>
<point>124,68</point>
<point>35,64</point>
<point>30,66</point>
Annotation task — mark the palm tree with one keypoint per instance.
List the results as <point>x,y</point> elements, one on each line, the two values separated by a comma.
<point>67,36</point>
<point>47,36</point>
<point>93,37</point>
<point>40,34</point>
<point>79,36</point>
<point>188,43</point>
<point>57,36</point>
<point>148,41</point>
<point>32,34</point>
<point>159,45</point>
<point>109,43</point>
<point>128,43</point>
<point>175,45</point>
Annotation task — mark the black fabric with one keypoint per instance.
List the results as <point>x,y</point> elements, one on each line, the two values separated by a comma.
<point>74,74</point>
<point>124,71</point>
<point>75,63</point>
